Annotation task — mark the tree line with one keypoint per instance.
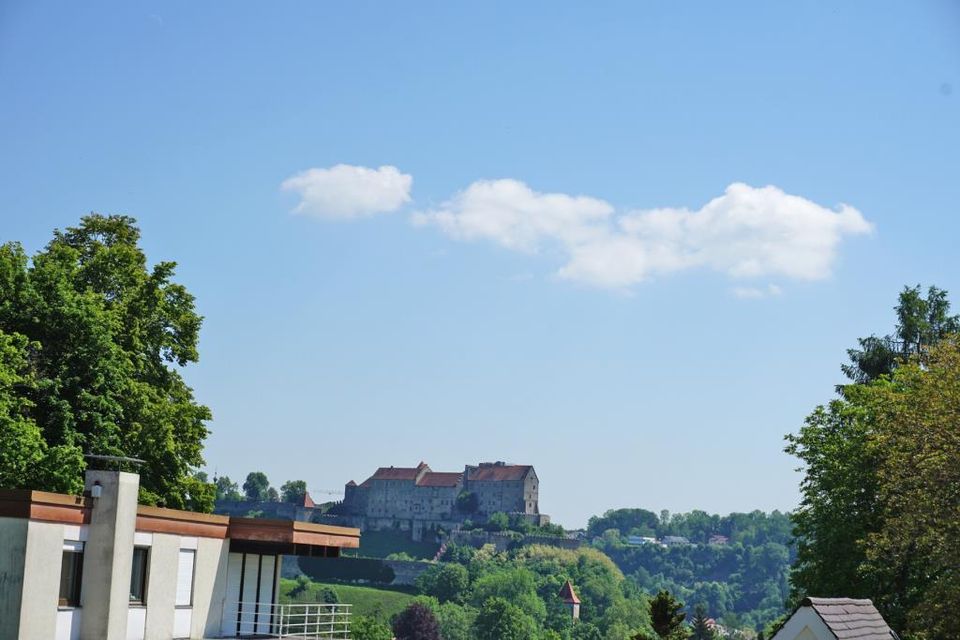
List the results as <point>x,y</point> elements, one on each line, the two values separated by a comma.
<point>742,580</point>
<point>257,488</point>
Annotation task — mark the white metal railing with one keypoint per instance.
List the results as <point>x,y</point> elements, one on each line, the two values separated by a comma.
<point>313,621</point>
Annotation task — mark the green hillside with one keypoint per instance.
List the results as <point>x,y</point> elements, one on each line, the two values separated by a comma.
<point>366,601</point>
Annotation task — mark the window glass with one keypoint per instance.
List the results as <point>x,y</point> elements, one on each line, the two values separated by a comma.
<point>71,568</point>
<point>138,576</point>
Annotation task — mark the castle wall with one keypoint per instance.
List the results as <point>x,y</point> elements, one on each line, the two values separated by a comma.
<point>385,502</point>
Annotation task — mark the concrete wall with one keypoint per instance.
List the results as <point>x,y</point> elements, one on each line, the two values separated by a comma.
<point>41,580</point>
<point>13,533</point>
<point>162,586</point>
<point>209,587</point>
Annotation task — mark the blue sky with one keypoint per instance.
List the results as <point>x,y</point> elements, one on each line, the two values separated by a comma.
<point>447,310</point>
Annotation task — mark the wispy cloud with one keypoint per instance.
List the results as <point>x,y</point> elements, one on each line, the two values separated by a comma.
<point>347,191</point>
<point>756,292</point>
<point>745,233</point>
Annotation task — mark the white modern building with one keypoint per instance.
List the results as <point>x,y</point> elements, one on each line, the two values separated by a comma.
<point>102,567</point>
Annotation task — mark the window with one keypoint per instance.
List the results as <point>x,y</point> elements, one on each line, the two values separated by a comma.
<point>138,576</point>
<point>71,572</point>
<point>185,577</point>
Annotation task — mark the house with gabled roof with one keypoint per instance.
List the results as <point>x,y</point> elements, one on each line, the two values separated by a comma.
<point>835,619</point>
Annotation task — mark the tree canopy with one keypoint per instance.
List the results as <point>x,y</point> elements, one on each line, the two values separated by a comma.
<point>293,490</point>
<point>416,622</point>
<point>256,486</point>
<point>94,343</point>
<point>880,511</point>
<point>921,322</point>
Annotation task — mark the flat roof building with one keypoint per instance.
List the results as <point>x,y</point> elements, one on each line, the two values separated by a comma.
<point>102,567</point>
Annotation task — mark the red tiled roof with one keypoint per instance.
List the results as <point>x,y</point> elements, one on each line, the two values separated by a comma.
<point>395,473</point>
<point>567,594</point>
<point>440,479</point>
<point>498,473</point>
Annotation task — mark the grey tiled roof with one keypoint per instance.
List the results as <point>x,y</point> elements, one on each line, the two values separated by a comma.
<point>851,619</point>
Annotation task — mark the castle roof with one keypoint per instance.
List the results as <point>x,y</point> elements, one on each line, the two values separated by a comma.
<point>567,594</point>
<point>440,479</point>
<point>498,472</point>
<point>397,473</point>
<point>351,484</point>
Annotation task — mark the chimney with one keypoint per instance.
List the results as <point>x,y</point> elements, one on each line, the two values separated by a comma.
<point>108,554</point>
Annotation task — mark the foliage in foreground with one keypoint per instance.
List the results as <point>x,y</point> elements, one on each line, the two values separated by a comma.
<point>880,510</point>
<point>91,343</point>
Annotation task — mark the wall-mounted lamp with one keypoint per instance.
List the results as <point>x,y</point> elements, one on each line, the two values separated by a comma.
<point>96,490</point>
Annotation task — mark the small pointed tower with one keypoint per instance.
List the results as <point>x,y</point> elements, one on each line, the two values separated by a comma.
<point>570,600</point>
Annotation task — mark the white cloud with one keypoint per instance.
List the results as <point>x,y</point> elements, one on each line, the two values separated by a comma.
<point>745,233</point>
<point>513,215</point>
<point>347,191</point>
<point>756,292</point>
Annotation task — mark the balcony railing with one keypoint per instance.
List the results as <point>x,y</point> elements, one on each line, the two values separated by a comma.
<point>311,621</point>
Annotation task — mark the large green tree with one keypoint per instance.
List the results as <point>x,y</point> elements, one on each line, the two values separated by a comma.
<point>293,490</point>
<point>880,513</point>
<point>913,554</point>
<point>107,335</point>
<point>838,505</point>
<point>227,489</point>
<point>498,619</point>
<point>257,487</point>
<point>447,582</point>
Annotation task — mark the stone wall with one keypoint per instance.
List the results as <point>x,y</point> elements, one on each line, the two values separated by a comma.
<point>405,572</point>
<point>505,540</point>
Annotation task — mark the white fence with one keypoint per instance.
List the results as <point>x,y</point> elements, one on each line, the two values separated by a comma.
<point>312,621</point>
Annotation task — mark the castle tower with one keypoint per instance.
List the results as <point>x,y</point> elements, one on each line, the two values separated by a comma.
<point>570,600</point>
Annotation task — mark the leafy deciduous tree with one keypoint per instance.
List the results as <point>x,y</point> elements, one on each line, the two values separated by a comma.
<point>500,620</point>
<point>293,490</point>
<point>109,335</point>
<point>256,487</point>
<point>366,628</point>
<point>446,582</point>
<point>416,622</point>
<point>227,489</point>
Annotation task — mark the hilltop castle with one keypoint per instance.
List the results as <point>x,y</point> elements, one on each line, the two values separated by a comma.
<point>417,498</point>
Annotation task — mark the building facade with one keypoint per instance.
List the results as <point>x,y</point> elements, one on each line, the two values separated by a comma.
<point>102,567</point>
<point>417,498</point>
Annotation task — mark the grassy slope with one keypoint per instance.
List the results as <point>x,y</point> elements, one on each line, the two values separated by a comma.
<point>366,601</point>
